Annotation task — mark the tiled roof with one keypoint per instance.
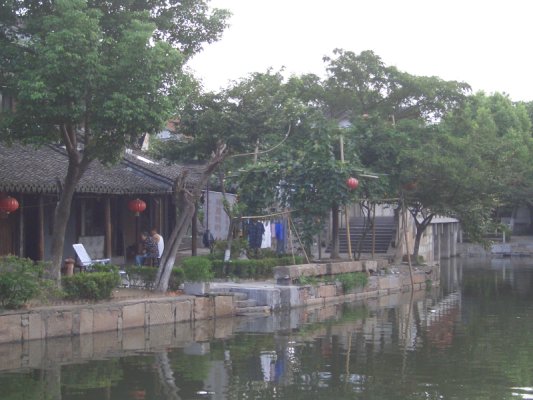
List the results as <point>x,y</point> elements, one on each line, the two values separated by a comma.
<point>161,169</point>
<point>30,169</point>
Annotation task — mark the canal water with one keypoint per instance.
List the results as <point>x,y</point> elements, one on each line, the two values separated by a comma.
<point>470,338</point>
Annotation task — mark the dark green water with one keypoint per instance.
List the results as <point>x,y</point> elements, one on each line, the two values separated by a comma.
<point>471,338</point>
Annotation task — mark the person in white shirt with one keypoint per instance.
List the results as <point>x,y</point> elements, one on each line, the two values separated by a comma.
<point>158,239</point>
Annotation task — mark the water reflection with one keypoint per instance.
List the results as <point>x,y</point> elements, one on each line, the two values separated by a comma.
<point>470,338</point>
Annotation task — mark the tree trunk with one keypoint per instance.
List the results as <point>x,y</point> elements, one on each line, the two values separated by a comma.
<point>194,231</point>
<point>185,200</point>
<point>420,229</point>
<point>186,211</point>
<point>416,248</point>
<point>76,167</point>
<point>366,226</point>
<point>398,221</point>
<point>335,231</point>
<point>166,376</point>
<point>234,221</point>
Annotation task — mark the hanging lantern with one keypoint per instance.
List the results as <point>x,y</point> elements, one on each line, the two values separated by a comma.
<point>352,183</point>
<point>8,204</point>
<point>137,206</point>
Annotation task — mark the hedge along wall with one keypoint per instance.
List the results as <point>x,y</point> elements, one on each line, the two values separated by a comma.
<point>252,268</point>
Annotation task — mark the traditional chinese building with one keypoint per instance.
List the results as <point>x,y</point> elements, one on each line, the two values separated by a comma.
<point>100,217</point>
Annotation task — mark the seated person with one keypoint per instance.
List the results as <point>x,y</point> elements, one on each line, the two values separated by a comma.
<point>158,239</point>
<point>149,251</point>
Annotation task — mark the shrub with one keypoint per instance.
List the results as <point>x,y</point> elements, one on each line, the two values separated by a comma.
<point>48,291</point>
<point>252,268</point>
<point>197,269</point>
<point>143,277</point>
<point>352,280</point>
<point>176,278</point>
<point>237,246</point>
<point>19,281</point>
<point>308,280</point>
<point>104,268</point>
<point>91,285</point>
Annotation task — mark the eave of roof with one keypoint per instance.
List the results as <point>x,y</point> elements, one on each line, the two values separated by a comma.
<point>30,169</point>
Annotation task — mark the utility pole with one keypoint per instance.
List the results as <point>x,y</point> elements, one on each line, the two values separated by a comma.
<point>346,216</point>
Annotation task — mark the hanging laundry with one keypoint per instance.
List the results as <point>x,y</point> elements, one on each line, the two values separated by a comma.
<point>266,243</point>
<point>255,234</point>
<point>280,237</point>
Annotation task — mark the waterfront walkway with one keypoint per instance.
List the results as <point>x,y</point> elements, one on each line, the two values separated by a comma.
<point>516,246</point>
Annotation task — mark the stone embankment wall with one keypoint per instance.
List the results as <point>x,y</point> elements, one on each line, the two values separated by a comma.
<point>119,316</point>
<point>384,280</point>
<point>289,274</point>
<point>193,337</point>
<point>518,247</point>
<point>68,320</point>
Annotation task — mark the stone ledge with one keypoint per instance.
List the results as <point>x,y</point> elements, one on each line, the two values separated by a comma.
<point>288,274</point>
<point>117,316</point>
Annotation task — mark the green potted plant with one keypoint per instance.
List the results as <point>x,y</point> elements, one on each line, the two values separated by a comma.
<point>197,272</point>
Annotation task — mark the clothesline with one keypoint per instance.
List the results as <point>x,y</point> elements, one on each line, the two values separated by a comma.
<point>267,215</point>
<point>291,229</point>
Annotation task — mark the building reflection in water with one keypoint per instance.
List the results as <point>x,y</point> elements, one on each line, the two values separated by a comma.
<point>303,348</point>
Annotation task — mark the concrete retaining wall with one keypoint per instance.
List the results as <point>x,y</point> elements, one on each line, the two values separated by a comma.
<point>68,320</point>
<point>288,274</point>
<point>287,296</point>
<point>118,316</point>
<point>193,337</point>
<point>377,286</point>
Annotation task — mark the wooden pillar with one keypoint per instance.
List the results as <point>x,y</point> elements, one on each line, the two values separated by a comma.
<point>194,231</point>
<point>40,218</point>
<point>334,231</point>
<point>82,218</point>
<point>108,230</point>
<point>21,227</point>
<point>158,223</point>
<point>348,235</point>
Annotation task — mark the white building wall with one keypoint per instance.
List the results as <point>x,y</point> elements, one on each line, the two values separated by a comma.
<point>218,222</point>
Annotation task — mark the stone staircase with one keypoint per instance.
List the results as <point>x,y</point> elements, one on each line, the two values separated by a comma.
<point>384,232</point>
<point>243,305</point>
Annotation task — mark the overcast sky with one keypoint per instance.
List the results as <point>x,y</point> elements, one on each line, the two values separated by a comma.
<point>487,44</point>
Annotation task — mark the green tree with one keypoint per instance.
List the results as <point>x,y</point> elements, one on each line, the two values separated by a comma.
<point>250,116</point>
<point>305,174</point>
<point>384,112</point>
<point>388,112</point>
<point>475,160</point>
<point>95,75</point>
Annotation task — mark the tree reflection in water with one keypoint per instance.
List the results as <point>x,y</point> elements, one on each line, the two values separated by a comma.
<point>469,339</point>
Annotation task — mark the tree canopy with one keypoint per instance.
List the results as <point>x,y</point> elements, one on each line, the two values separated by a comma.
<point>474,161</point>
<point>95,75</point>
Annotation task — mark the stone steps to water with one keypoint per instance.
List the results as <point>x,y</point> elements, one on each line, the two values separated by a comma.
<point>224,291</point>
<point>256,310</point>
<point>377,240</point>
<point>245,303</point>
<point>239,296</point>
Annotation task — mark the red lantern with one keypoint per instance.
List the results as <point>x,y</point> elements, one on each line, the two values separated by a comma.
<point>352,183</point>
<point>137,206</point>
<point>8,204</point>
